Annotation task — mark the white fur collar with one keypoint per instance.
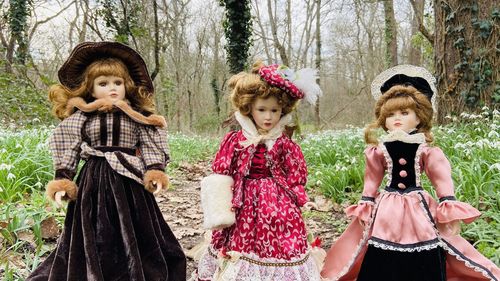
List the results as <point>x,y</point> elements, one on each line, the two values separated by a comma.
<point>400,135</point>
<point>252,135</point>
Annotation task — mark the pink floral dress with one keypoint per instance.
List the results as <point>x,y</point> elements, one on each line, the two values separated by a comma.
<point>269,239</point>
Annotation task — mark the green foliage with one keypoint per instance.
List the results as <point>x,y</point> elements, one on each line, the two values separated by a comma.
<point>22,103</point>
<point>238,31</point>
<point>124,24</point>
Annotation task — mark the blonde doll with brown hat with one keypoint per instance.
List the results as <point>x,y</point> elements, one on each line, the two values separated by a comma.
<point>113,229</point>
<point>401,232</point>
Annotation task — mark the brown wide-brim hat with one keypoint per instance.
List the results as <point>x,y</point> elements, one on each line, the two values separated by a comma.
<point>71,72</point>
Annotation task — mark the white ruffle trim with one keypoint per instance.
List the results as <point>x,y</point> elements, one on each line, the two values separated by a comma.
<point>244,267</point>
<point>389,247</point>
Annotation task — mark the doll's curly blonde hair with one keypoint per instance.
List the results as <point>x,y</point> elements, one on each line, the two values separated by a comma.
<point>246,87</point>
<point>140,98</point>
<point>401,97</point>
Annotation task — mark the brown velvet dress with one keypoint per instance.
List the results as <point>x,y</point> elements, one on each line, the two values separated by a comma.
<point>114,230</point>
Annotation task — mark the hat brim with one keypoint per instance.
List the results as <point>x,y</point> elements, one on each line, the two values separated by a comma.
<point>71,72</point>
<point>397,72</point>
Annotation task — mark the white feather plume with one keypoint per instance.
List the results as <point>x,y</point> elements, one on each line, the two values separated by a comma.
<point>305,80</point>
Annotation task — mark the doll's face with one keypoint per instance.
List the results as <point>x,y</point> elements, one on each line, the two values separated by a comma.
<point>266,113</point>
<point>403,119</point>
<point>109,87</point>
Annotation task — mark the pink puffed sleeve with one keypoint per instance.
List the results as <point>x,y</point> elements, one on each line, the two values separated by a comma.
<point>374,174</point>
<point>438,170</point>
<point>224,157</point>
<point>295,169</point>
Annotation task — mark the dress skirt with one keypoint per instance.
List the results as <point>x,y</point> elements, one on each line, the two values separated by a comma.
<point>387,265</point>
<point>113,231</point>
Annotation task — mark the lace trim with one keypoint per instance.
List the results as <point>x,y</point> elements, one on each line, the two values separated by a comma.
<point>387,245</point>
<point>417,164</point>
<point>388,160</point>
<point>454,252</point>
<point>249,267</point>
<point>409,70</point>
<point>265,262</point>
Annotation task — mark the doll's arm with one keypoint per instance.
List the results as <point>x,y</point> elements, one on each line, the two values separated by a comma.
<point>155,154</point>
<point>295,170</point>
<point>438,170</point>
<point>374,173</point>
<point>64,145</point>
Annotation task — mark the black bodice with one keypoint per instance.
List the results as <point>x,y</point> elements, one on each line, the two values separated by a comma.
<point>403,165</point>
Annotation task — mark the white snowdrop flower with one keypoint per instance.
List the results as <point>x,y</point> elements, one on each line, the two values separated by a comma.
<point>11,176</point>
<point>485,108</point>
<point>38,184</point>
<point>3,150</point>
<point>493,134</point>
<point>318,182</point>
<point>495,166</point>
<point>18,145</point>
<point>318,173</point>
<point>4,166</point>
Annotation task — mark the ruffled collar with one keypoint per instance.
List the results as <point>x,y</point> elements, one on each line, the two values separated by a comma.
<point>400,135</point>
<point>105,105</point>
<point>252,135</point>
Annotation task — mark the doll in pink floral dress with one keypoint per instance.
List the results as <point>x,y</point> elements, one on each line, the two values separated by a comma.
<point>264,173</point>
<point>401,232</point>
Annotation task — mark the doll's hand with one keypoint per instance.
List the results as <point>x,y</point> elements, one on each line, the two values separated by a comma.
<point>58,198</point>
<point>310,206</point>
<point>155,181</point>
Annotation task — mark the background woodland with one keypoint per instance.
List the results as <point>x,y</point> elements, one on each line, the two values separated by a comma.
<point>192,47</point>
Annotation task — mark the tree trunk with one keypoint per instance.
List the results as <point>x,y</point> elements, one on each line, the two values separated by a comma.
<point>418,14</point>
<point>318,58</point>
<point>274,30</point>
<point>391,35</point>
<point>467,67</point>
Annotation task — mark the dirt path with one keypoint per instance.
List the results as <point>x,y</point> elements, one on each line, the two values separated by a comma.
<point>182,211</point>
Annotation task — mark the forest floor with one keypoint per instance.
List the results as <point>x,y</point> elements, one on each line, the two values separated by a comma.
<point>183,213</point>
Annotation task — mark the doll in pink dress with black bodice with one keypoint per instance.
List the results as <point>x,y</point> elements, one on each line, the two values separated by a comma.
<point>401,232</point>
<point>259,180</point>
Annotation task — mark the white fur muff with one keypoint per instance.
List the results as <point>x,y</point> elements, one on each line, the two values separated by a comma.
<point>216,196</point>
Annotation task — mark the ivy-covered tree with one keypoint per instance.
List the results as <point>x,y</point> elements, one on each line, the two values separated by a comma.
<point>466,55</point>
<point>19,11</point>
<point>238,30</point>
<point>121,17</point>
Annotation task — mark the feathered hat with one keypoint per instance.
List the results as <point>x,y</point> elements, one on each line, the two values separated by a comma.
<point>407,75</point>
<point>299,84</point>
